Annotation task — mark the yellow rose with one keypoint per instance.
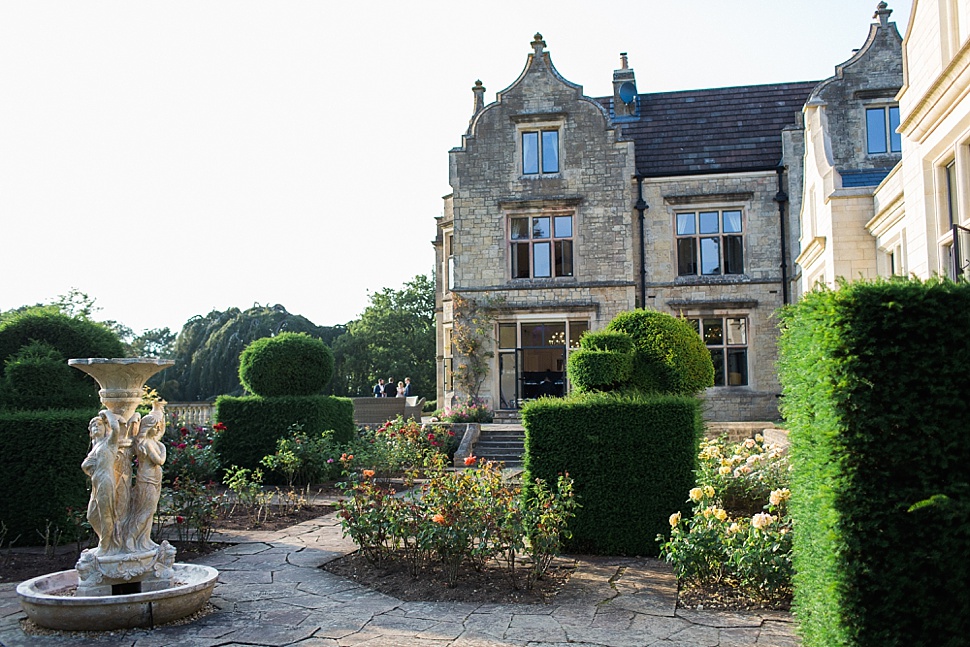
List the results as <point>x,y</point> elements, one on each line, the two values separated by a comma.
<point>708,491</point>
<point>720,515</point>
<point>674,519</point>
<point>724,470</point>
<point>778,496</point>
<point>696,494</point>
<point>761,520</point>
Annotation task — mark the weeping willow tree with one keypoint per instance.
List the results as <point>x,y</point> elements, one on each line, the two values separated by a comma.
<point>207,349</point>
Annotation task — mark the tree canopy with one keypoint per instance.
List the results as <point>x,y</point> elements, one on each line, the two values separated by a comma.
<point>208,348</point>
<point>394,337</point>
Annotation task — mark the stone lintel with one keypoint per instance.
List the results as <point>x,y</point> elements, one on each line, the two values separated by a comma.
<point>713,304</point>
<point>743,196</point>
<point>538,117</point>
<point>552,202</point>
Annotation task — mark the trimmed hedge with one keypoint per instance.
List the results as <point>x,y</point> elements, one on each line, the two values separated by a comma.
<point>617,341</point>
<point>670,356</point>
<point>632,457</point>
<point>72,338</point>
<point>40,470</point>
<point>38,377</point>
<point>287,364</point>
<point>254,423</point>
<point>591,370</point>
<point>876,380</point>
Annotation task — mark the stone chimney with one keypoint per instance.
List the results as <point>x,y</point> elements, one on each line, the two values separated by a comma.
<point>479,92</point>
<point>626,101</point>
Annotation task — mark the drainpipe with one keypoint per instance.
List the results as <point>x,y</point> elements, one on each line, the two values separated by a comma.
<point>641,208</point>
<point>782,199</point>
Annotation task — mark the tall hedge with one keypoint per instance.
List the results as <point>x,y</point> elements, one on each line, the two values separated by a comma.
<point>254,424</point>
<point>876,380</point>
<point>40,470</point>
<point>632,458</point>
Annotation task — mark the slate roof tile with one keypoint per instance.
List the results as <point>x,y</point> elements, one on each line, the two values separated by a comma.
<point>714,130</point>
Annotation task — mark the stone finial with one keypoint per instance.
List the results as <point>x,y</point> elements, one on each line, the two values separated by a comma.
<point>538,44</point>
<point>624,62</point>
<point>479,91</point>
<point>882,13</point>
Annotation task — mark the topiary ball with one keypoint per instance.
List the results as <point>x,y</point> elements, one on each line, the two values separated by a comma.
<point>287,364</point>
<point>669,357</point>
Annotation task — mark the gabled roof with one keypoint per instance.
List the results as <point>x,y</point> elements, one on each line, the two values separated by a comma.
<point>713,131</point>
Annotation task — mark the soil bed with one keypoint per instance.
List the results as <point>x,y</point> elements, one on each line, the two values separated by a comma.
<point>490,585</point>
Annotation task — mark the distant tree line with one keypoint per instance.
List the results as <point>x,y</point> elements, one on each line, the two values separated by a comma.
<point>393,337</point>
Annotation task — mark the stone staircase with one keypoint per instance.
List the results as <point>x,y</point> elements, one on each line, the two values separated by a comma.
<point>505,417</point>
<point>503,442</point>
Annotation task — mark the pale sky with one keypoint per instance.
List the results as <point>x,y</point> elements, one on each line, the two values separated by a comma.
<point>170,158</point>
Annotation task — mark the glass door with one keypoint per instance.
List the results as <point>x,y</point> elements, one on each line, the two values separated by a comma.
<point>508,380</point>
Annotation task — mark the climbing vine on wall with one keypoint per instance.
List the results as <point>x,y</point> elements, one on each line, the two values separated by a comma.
<point>471,339</point>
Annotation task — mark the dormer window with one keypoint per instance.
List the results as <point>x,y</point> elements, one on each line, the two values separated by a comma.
<point>881,135</point>
<point>540,152</point>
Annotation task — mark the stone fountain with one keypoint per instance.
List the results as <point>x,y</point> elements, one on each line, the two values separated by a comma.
<point>128,580</point>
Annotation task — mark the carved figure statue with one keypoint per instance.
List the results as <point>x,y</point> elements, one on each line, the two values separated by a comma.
<point>148,481</point>
<point>99,464</point>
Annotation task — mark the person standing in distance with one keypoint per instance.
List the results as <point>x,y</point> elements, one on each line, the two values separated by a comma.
<point>379,388</point>
<point>390,390</point>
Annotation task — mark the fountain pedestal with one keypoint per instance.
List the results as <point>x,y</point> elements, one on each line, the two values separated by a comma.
<point>127,569</point>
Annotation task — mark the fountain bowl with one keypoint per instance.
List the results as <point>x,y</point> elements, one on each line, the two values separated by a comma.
<point>46,601</point>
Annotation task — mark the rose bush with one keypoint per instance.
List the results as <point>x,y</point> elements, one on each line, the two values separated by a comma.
<point>464,516</point>
<point>738,534</point>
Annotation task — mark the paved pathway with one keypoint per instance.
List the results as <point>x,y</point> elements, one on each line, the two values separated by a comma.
<point>271,593</point>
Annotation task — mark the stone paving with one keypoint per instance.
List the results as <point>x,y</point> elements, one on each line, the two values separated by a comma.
<point>272,593</point>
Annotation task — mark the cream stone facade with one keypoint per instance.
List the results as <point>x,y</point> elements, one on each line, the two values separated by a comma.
<point>848,152</point>
<point>917,219</point>
<point>567,210</point>
<point>922,211</point>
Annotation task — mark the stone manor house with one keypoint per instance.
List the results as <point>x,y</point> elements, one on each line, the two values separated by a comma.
<point>716,205</point>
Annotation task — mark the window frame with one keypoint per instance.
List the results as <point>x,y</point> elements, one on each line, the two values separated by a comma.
<point>889,137</point>
<point>730,244</point>
<point>726,347</point>
<point>561,249</point>
<point>538,151</point>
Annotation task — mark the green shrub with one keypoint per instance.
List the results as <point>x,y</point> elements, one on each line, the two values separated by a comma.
<point>603,370</point>
<point>38,377</point>
<point>72,338</point>
<point>632,457</point>
<point>284,365</point>
<point>40,471</point>
<point>254,424</point>
<point>613,340</point>
<point>875,397</point>
<point>670,356</point>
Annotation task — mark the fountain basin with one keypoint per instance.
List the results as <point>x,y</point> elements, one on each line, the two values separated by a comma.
<point>46,604</point>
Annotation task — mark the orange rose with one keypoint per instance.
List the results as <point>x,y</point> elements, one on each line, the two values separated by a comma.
<point>439,518</point>
<point>368,473</point>
<point>470,460</point>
